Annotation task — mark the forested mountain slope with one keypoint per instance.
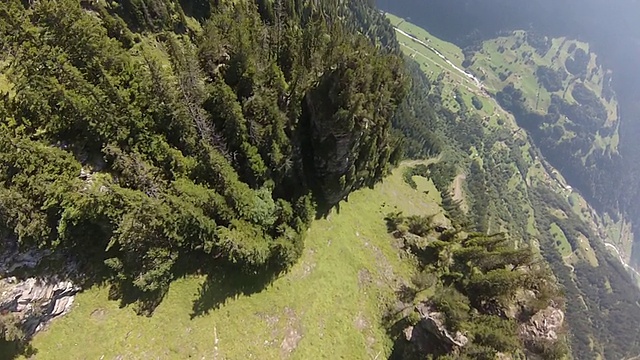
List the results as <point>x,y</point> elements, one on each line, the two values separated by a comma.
<point>147,143</point>
<point>508,184</point>
<point>611,185</point>
<point>180,154</point>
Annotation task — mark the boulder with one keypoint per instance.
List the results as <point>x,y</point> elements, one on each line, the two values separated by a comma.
<point>433,322</point>
<point>543,325</point>
<point>503,356</point>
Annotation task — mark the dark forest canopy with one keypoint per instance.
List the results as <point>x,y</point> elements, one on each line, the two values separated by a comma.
<point>141,139</point>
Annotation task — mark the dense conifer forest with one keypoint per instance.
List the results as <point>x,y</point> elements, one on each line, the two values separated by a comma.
<point>137,139</point>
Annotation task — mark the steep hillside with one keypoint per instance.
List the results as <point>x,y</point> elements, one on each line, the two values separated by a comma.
<point>611,34</point>
<point>223,179</point>
<point>148,139</point>
<point>330,303</point>
<point>510,186</point>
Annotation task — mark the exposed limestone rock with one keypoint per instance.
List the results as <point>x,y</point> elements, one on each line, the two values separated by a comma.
<point>36,301</point>
<point>430,336</point>
<point>441,224</point>
<point>503,356</point>
<point>335,160</point>
<point>413,240</point>
<point>408,333</point>
<point>433,322</point>
<point>33,301</point>
<point>544,325</point>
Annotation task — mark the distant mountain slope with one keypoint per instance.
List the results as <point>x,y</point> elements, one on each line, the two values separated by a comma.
<point>509,184</point>
<point>610,29</point>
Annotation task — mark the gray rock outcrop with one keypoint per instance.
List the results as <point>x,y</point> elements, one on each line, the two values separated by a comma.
<point>430,332</point>
<point>433,322</point>
<point>31,298</point>
<point>36,301</point>
<point>544,325</point>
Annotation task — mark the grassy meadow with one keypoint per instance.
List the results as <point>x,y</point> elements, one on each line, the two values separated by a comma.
<point>329,306</point>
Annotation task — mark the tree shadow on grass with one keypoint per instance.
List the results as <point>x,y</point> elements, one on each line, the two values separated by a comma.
<point>225,282</point>
<point>144,302</point>
<point>14,349</point>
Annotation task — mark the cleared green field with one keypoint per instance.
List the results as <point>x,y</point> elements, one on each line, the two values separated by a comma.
<point>328,306</point>
<point>561,240</point>
<point>431,63</point>
<point>586,251</point>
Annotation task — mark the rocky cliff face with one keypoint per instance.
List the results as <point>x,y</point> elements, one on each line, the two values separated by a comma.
<point>350,141</point>
<point>33,303</point>
<point>29,300</point>
<point>544,325</point>
<point>430,332</point>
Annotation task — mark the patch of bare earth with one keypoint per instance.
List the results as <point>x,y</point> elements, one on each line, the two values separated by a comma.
<point>99,314</point>
<point>364,278</point>
<point>361,323</point>
<point>307,266</point>
<point>293,333</point>
<point>285,326</point>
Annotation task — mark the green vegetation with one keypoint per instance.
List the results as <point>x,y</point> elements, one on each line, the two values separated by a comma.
<point>449,50</point>
<point>151,144</point>
<point>511,188</point>
<point>330,303</point>
<point>556,90</point>
<point>561,240</point>
<point>475,279</point>
<point>180,151</point>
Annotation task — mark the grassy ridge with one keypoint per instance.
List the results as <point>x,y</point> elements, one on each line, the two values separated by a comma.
<point>328,306</point>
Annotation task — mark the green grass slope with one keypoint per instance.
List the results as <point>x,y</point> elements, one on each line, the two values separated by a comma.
<point>328,306</point>
<point>512,59</point>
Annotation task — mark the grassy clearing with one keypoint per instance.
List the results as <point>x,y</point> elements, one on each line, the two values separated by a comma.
<point>559,214</point>
<point>328,306</point>
<point>432,64</point>
<point>531,223</point>
<point>5,84</point>
<point>586,251</point>
<point>562,243</point>
<point>620,233</point>
<point>517,61</point>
